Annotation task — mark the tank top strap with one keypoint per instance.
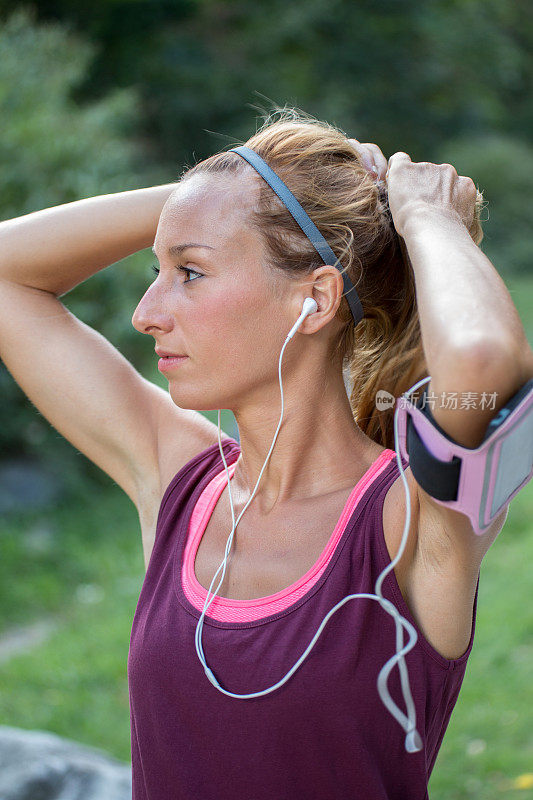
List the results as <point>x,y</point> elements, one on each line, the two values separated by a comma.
<point>385,479</point>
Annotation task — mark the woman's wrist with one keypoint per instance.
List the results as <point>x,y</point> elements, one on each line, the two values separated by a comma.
<point>421,217</point>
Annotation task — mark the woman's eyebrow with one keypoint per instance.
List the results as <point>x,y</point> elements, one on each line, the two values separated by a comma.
<point>177,249</point>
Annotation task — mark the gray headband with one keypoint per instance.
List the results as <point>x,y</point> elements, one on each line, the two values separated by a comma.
<point>306,224</point>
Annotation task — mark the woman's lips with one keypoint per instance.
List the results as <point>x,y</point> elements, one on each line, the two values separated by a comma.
<point>170,362</point>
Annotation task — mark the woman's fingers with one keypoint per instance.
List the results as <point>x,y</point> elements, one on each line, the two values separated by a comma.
<point>422,184</point>
<point>411,185</point>
<point>372,157</point>
<point>378,158</point>
<point>396,158</point>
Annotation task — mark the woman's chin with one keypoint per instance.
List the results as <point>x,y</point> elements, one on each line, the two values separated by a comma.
<point>194,399</point>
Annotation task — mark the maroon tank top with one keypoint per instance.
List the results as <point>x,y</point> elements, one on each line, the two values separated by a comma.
<point>325,733</point>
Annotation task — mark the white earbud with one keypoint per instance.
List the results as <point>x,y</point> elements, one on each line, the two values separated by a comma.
<point>309,307</point>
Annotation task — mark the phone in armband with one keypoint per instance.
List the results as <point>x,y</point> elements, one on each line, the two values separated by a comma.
<point>478,481</point>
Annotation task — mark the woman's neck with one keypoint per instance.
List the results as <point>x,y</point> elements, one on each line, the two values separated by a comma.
<point>319,447</point>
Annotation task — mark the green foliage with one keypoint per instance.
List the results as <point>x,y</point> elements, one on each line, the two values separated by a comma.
<point>502,168</point>
<point>53,150</point>
<point>406,75</point>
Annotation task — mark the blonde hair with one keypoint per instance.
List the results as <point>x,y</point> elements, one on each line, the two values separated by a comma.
<point>327,176</point>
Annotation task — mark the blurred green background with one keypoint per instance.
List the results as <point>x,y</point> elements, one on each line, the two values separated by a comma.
<point>110,96</point>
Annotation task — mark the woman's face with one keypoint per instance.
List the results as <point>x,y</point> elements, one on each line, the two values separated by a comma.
<point>223,314</point>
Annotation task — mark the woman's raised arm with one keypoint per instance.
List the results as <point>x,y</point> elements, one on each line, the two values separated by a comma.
<point>80,382</point>
<point>57,248</point>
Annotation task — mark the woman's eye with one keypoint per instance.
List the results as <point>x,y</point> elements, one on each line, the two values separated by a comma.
<point>183,269</point>
<point>192,272</point>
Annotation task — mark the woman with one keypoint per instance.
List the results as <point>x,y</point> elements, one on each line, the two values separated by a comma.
<point>328,513</point>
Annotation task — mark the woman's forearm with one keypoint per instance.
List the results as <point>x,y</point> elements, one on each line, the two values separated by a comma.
<point>463,303</point>
<point>473,338</point>
<point>57,248</point>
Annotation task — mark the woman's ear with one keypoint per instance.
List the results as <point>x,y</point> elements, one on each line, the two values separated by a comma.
<point>327,288</point>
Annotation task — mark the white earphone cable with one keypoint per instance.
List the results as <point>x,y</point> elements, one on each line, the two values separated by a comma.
<point>413,741</point>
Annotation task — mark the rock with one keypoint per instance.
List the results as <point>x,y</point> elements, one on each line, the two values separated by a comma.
<point>36,765</point>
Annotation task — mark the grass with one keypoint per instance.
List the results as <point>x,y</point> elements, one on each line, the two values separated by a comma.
<point>489,741</point>
<point>87,571</point>
<point>83,565</point>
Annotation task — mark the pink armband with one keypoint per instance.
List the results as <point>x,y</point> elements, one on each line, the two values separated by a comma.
<point>478,482</point>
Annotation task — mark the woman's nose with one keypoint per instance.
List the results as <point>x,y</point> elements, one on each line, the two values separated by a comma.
<point>149,314</point>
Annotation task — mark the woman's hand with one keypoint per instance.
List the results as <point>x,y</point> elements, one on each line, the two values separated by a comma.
<point>414,187</point>
<point>372,157</point>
